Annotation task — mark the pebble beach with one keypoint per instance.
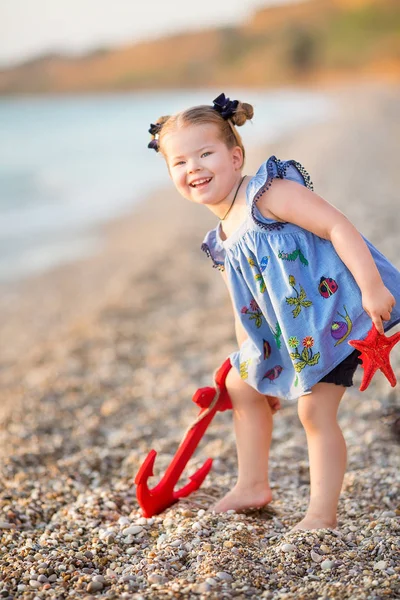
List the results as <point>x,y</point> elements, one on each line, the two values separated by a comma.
<point>99,360</point>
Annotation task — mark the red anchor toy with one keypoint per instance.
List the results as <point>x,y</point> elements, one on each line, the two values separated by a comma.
<point>210,400</point>
<point>375,350</point>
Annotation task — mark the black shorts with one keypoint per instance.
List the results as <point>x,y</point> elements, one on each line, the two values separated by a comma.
<point>343,373</point>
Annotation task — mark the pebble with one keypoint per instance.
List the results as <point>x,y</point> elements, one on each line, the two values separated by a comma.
<point>327,564</point>
<point>316,557</point>
<point>155,578</point>
<point>288,548</point>
<point>133,530</point>
<point>224,576</point>
<point>381,565</point>
<point>94,586</point>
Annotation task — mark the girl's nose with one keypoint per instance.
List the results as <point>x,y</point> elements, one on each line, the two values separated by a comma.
<point>193,167</point>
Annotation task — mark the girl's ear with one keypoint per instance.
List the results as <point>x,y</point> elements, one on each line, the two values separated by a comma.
<point>237,157</point>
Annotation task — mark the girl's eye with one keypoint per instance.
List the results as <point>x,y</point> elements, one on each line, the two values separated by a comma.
<point>205,153</point>
<point>181,162</point>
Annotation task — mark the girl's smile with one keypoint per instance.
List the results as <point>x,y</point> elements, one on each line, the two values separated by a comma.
<point>202,167</point>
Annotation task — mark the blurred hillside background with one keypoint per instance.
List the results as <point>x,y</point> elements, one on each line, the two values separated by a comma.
<point>296,42</point>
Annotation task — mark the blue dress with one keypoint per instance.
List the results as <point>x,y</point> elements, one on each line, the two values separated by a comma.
<point>296,299</point>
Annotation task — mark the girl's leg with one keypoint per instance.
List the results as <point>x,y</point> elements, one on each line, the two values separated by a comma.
<point>252,415</point>
<point>327,454</point>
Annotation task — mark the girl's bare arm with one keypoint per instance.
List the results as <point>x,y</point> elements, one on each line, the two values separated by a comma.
<point>289,201</point>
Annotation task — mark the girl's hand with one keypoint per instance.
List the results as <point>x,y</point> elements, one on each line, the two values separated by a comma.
<point>274,403</point>
<point>378,304</point>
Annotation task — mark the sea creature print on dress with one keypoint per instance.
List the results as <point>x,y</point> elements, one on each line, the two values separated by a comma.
<point>340,330</point>
<point>267,349</point>
<point>253,312</point>
<point>306,358</point>
<point>273,373</point>
<point>327,287</point>
<point>299,300</point>
<point>293,255</point>
<point>258,277</point>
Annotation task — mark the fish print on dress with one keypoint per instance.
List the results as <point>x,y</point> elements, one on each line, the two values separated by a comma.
<point>299,301</point>
<point>266,349</point>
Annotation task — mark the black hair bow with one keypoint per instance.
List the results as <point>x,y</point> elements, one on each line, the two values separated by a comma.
<point>154,145</point>
<point>154,129</point>
<point>224,106</point>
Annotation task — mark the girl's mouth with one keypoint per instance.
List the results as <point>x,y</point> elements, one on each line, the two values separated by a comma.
<point>200,183</point>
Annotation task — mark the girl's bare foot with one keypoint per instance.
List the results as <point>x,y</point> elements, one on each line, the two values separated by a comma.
<point>314,523</point>
<point>240,498</point>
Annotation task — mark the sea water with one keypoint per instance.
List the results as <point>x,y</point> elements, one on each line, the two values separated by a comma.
<point>68,163</point>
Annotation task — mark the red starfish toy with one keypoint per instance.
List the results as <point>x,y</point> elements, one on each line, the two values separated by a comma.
<point>375,350</point>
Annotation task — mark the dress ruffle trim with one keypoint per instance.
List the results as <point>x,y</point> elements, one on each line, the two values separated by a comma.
<point>214,250</point>
<point>270,170</point>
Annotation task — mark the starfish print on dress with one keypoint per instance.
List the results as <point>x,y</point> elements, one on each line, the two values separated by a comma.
<point>375,350</point>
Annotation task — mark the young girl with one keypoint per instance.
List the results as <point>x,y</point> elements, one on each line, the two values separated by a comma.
<point>303,282</point>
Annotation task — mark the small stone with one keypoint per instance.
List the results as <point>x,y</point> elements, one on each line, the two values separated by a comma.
<point>5,525</point>
<point>155,578</point>
<point>176,543</point>
<point>224,576</point>
<point>288,548</point>
<point>202,588</point>
<point>381,565</point>
<point>196,526</point>
<point>94,586</point>
<point>325,549</point>
<point>99,578</point>
<point>42,578</point>
<point>211,581</point>
<point>35,584</point>
<point>388,513</point>
<point>52,578</point>
<point>316,557</point>
<point>133,530</point>
<point>327,564</point>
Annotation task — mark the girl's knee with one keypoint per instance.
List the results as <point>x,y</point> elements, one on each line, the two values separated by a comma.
<point>318,410</point>
<point>240,391</point>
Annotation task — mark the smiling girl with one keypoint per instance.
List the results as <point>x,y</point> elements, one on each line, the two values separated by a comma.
<point>303,282</point>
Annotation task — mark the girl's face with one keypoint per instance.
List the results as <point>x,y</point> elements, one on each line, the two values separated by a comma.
<point>203,169</point>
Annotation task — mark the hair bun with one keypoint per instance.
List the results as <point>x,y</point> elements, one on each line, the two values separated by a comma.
<point>243,113</point>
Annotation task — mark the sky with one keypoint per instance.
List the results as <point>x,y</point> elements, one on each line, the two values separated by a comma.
<point>29,28</point>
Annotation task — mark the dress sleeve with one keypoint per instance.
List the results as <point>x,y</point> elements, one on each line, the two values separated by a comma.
<point>273,168</point>
<point>214,249</point>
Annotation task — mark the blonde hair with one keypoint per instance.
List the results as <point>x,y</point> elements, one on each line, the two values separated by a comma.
<point>205,115</point>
